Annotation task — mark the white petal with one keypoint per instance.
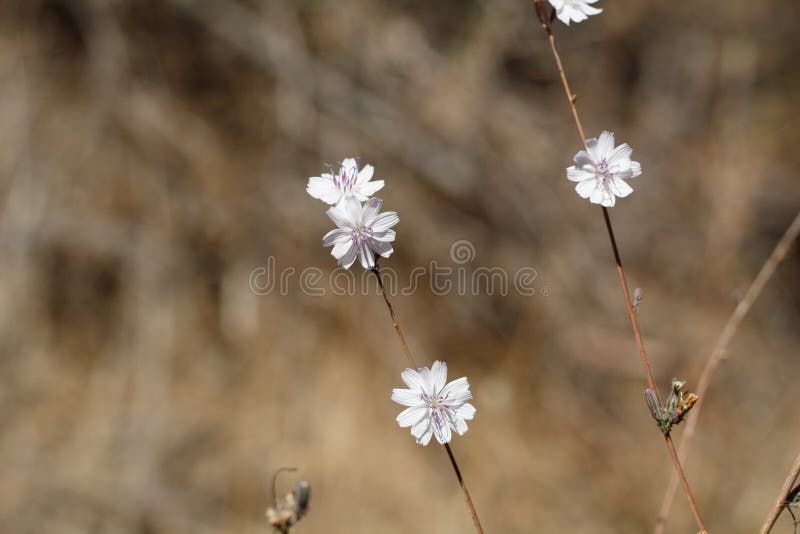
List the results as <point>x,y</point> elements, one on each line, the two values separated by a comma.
<point>368,189</point>
<point>422,426</point>
<point>413,380</point>
<point>461,426</point>
<point>349,164</point>
<point>577,175</point>
<point>583,158</point>
<point>349,257</point>
<point>558,4</point>
<point>586,187</point>
<point>371,209</point>
<point>621,153</point>
<point>365,174</point>
<point>323,188</point>
<point>597,196</point>
<point>381,248</point>
<point>354,211</point>
<point>427,380</point>
<point>591,149</point>
<point>439,375</point>
<point>589,10</point>
<point>563,15</point>
<point>605,145</point>
<point>386,237</point>
<point>621,188</point>
<point>334,237</point>
<point>426,437</point>
<point>339,217</point>
<point>342,249</point>
<point>467,411</point>
<point>367,256</point>
<point>411,416</point>
<point>384,221</point>
<point>608,200</point>
<point>457,391</point>
<point>636,169</point>
<point>442,433</point>
<point>406,397</point>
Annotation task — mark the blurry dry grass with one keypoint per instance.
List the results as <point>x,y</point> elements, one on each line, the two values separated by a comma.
<point>153,153</point>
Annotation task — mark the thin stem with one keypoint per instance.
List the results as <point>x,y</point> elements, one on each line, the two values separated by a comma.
<point>412,363</point>
<point>718,354</point>
<point>620,270</point>
<point>781,501</point>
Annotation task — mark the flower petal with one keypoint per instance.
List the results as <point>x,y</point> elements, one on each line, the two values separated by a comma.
<point>371,209</point>
<point>456,392</point>
<point>386,236</point>
<point>576,175</point>
<point>467,411</point>
<point>411,416</point>
<point>621,153</point>
<point>406,397</point>
<point>334,237</point>
<point>426,437</point>
<point>442,432</point>
<point>365,174</point>
<point>368,189</point>
<point>605,145</point>
<point>384,249</point>
<point>384,221</point>
<point>413,380</point>
<point>461,426</point>
<point>352,207</point>
<point>621,188</point>
<point>439,375</point>
<point>323,188</point>
<point>342,249</point>
<point>586,187</point>
<point>339,216</point>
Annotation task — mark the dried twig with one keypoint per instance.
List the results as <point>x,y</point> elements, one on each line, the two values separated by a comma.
<point>720,348</point>
<point>781,501</point>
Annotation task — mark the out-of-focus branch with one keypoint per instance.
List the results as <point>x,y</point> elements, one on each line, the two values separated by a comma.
<point>780,503</point>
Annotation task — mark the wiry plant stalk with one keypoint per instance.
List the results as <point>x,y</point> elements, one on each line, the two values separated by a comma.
<point>413,365</point>
<point>718,353</point>
<point>781,502</point>
<point>545,17</point>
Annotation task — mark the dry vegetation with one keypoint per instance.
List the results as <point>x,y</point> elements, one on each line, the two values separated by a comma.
<point>154,152</point>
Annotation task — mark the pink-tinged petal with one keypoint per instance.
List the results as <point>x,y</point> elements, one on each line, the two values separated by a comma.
<point>426,437</point>
<point>370,188</point>
<point>371,209</point>
<point>605,145</point>
<point>576,175</point>
<point>352,207</point>
<point>439,375</point>
<point>411,416</point>
<point>384,221</point>
<point>334,237</point>
<point>586,187</point>
<point>383,249</point>
<point>467,411</point>
<point>324,189</point>
<point>413,380</point>
<point>406,397</point>
<point>365,174</point>
<point>339,217</point>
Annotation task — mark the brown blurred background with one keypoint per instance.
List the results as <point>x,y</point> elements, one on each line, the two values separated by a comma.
<point>154,153</point>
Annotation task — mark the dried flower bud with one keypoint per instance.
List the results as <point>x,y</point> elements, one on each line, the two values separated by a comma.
<point>652,404</point>
<point>289,509</point>
<point>677,406</point>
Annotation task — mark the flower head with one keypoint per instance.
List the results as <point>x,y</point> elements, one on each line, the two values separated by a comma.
<point>601,170</point>
<point>362,232</point>
<point>348,181</point>
<point>434,407</point>
<point>574,10</point>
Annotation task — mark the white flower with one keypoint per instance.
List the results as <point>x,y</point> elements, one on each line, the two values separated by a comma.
<point>434,408</point>
<point>574,10</point>
<point>601,169</point>
<point>363,231</point>
<point>331,189</point>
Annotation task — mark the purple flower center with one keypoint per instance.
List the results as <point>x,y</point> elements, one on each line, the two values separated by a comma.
<point>346,178</point>
<point>603,171</point>
<point>438,405</point>
<point>361,235</point>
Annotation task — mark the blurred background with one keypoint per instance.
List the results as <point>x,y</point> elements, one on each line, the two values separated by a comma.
<point>154,155</point>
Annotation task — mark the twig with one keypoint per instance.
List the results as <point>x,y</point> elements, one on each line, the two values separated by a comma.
<point>413,365</point>
<point>545,20</point>
<point>781,501</point>
<point>718,353</point>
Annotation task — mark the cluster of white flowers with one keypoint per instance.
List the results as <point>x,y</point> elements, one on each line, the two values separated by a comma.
<point>435,407</point>
<point>362,231</point>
